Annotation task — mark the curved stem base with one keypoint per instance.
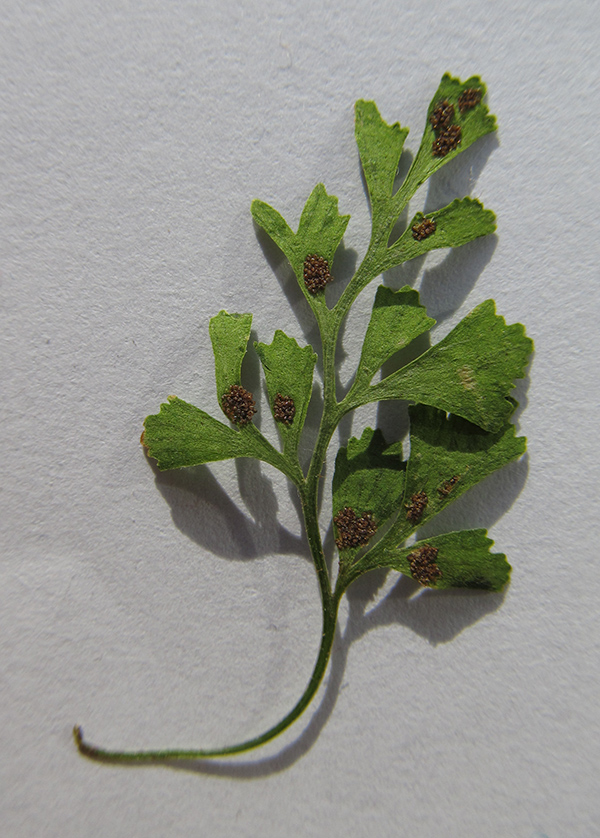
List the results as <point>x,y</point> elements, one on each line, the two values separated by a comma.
<point>102,755</point>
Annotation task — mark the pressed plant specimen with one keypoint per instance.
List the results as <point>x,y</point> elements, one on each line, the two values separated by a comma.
<point>458,390</point>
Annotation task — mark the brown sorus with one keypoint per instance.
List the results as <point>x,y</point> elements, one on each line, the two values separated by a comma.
<point>469,98</point>
<point>423,229</point>
<point>284,409</point>
<point>423,565</point>
<point>447,486</point>
<point>316,273</point>
<point>416,507</point>
<point>447,141</point>
<point>353,531</point>
<point>442,116</point>
<point>238,405</point>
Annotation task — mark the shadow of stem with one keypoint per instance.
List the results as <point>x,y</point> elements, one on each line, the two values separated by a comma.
<point>438,616</point>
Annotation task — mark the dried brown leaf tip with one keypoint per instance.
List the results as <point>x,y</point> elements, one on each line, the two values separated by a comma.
<point>352,530</point>
<point>423,565</point>
<point>316,273</point>
<point>442,116</point>
<point>423,229</point>
<point>284,409</point>
<point>468,99</point>
<point>416,507</point>
<point>447,141</point>
<point>238,405</point>
<point>447,486</point>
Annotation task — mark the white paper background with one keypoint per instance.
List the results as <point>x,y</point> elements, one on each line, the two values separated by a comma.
<point>180,609</point>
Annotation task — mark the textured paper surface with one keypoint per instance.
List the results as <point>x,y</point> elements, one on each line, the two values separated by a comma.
<point>180,609</point>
